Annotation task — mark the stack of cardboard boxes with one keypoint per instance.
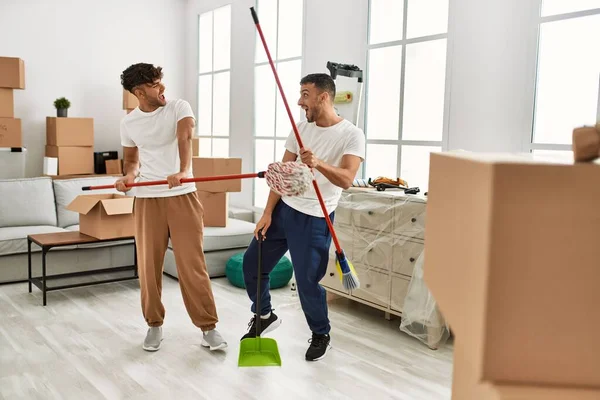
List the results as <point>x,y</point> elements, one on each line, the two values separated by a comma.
<point>12,76</point>
<point>69,146</point>
<point>214,194</point>
<point>511,257</point>
<point>130,102</point>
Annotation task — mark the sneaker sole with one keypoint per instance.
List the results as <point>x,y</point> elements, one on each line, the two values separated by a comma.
<point>148,348</point>
<point>215,348</point>
<point>323,356</point>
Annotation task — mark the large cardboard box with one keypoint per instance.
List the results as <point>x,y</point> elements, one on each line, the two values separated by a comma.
<point>216,207</point>
<point>513,262</point>
<point>69,131</point>
<point>72,160</point>
<point>12,73</point>
<point>104,216</point>
<point>217,166</point>
<point>195,147</point>
<point>10,132</point>
<point>7,103</point>
<point>129,101</point>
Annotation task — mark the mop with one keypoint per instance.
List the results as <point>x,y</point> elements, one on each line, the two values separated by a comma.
<point>345,268</point>
<point>284,178</point>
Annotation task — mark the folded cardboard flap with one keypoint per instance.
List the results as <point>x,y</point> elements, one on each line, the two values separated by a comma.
<point>118,205</point>
<point>113,204</point>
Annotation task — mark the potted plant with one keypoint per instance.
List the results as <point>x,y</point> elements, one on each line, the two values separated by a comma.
<point>62,105</point>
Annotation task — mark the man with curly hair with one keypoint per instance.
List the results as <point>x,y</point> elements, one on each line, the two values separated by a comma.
<point>157,139</point>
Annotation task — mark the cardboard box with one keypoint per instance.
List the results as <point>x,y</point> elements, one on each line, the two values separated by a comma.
<point>129,111</point>
<point>466,387</point>
<point>104,216</point>
<point>217,166</point>
<point>130,102</point>
<point>216,207</point>
<point>512,261</point>
<point>114,167</point>
<point>195,147</point>
<point>12,73</point>
<point>7,103</point>
<point>72,160</point>
<point>69,131</point>
<point>10,132</point>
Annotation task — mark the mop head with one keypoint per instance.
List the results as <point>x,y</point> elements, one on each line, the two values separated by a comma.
<point>347,273</point>
<point>289,178</point>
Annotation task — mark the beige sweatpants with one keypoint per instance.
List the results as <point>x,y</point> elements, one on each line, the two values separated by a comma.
<point>181,219</point>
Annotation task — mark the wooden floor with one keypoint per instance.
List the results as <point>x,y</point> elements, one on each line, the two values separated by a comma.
<point>86,344</point>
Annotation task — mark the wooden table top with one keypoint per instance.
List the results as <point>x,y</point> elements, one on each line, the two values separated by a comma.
<point>67,238</point>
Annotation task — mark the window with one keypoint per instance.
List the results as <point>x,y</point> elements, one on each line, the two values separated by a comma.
<point>568,73</point>
<point>282,23</point>
<point>405,89</point>
<point>214,63</point>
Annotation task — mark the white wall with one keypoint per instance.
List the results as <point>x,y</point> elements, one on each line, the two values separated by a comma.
<point>78,49</point>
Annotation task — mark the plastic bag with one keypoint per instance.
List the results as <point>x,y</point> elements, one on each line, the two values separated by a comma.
<point>421,317</point>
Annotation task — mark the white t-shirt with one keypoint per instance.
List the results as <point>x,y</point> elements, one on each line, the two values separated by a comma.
<point>328,144</point>
<point>155,135</point>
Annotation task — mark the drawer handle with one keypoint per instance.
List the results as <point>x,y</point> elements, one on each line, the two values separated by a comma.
<point>370,212</point>
<point>412,259</point>
<point>370,250</point>
<point>414,219</point>
<point>368,285</point>
<point>331,274</point>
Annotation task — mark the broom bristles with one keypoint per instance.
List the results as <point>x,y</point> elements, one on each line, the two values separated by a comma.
<point>347,273</point>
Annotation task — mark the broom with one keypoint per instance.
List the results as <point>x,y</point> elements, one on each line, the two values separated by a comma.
<point>286,179</point>
<point>345,268</point>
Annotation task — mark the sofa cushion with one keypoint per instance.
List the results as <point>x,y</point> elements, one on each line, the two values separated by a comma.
<point>28,201</point>
<point>65,191</point>
<point>237,234</point>
<point>13,239</point>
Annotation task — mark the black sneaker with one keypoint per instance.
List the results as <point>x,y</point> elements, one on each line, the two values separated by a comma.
<point>319,345</point>
<point>266,325</point>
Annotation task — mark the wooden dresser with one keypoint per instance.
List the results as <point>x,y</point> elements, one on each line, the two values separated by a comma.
<point>382,234</point>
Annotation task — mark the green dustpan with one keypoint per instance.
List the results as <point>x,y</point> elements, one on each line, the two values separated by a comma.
<point>257,351</point>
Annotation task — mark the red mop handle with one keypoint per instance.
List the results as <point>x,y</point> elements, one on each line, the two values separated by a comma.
<point>295,128</point>
<point>184,180</point>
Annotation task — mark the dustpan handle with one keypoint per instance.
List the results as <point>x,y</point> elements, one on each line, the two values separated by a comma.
<point>258,292</point>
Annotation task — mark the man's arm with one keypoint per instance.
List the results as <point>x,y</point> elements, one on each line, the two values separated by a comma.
<point>185,132</point>
<point>341,176</point>
<point>274,197</point>
<point>131,161</point>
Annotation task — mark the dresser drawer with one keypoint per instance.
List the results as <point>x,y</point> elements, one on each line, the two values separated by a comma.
<point>374,286</point>
<point>409,219</point>
<point>331,279</point>
<point>406,252</point>
<point>399,290</point>
<point>372,213</point>
<point>373,250</point>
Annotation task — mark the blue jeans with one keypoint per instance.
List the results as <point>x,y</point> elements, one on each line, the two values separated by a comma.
<point>308,239</point>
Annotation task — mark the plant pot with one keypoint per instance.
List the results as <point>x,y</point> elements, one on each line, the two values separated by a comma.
<point>61,112</point>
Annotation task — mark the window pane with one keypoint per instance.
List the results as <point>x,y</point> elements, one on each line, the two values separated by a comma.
<point>204,105</point>
<point>561,155</point>
<point>264,151</point>
<point>263,156</point>
<point>382,160</point>
<point>222,37</point>
<point>220,148</point>
<point>264,101</point>
<point>221,104</point>
<point>415,165</point>
<point>289,41</point>
<point>384,93</point>
<point>279,150</point>
<point>426,17</point>
<point>289,75</point>
<point>568,75</point>
<point>385,21</point>
<point>424,89</point>
<point>205,145</point>
<point>205,42</point>
<point>553,7</point>
<point>267,15</point>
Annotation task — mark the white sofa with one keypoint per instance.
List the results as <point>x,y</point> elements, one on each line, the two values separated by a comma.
<point>37,205</point>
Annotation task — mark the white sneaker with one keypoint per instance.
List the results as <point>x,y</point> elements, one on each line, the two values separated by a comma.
<point>153,338</point>
<point>213,340</point>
